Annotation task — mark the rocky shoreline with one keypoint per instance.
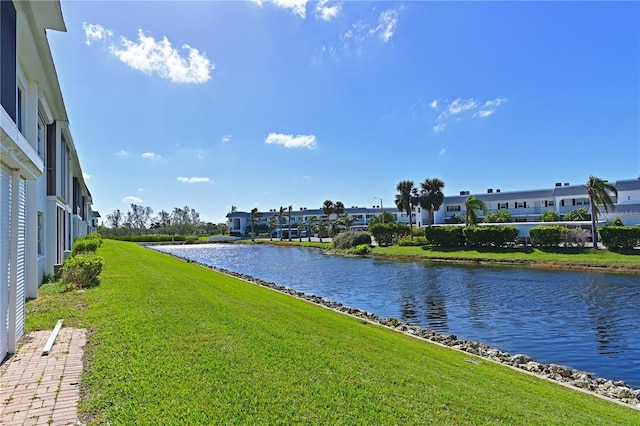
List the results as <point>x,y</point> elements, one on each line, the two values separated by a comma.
<point>615,390</point>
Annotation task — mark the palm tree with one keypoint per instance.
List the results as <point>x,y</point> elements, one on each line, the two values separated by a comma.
<point>406,199</point>
<point>338,208</point>
<point>255,214</point>
<point>272,225</point>
<point>598,191</point>
<point>431,196</point>
<point>334,227</point>
<point>328,207</point>
<point>348,221</point>
<point>472,204</point>
<point>313,220</point>
<point>289,208</point>
<point>301,225</point>
<point>322,227</point>
<point>281,217</point>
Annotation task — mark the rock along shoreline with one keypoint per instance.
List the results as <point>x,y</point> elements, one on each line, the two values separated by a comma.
<point>618,391</point>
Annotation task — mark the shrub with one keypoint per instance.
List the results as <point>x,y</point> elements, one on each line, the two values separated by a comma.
<point>616,222</point>
<point>86,244</point>
<point>576,236</point>
<point>388,233</point>
<point>415,241</point>
<point>148,238</point>
<point>576,215</point>
<point>351,239</point>
<point>81,271</point>
<point>489,236</point>
<point>620,238</point>
<point>444,236</point>
<point>191,239</point>
<point>360,250</point>
<point>547,236</point>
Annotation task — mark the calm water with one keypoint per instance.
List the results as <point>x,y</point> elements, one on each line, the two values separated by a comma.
<point>588,321</point>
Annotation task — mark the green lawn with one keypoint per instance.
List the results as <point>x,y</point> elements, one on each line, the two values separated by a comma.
<point>174,343</point>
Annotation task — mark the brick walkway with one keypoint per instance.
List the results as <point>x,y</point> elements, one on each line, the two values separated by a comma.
<point>43,390</point>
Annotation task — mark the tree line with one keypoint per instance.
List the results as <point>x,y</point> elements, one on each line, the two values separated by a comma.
<point>139,220</point>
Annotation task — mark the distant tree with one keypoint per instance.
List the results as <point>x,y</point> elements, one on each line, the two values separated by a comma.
<point>289,208</point>
<point>281,217</point>
<point>328,207</point>
<point>255,214</point>
<point>323,225</point>
<point>348,221</point>
<point>114,220</point>
<point>472,204</point>
<point>385,217</point>
<point>338,208</point>
<point>550,216</point>
<point>234,209</point>
<point>501,216</point>
<point>431,196</point>
<point>301,225</point>
<point>273,220</point>
<point>223,228</point>
<point>406,200</point>
<point>616,222</point>
<point>334,227</point>
<point>313,222</point>
<point>598,191</point>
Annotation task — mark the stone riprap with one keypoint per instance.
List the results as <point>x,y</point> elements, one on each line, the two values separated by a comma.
<point>616,390</point>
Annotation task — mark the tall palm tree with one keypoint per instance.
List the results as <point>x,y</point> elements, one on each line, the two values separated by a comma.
<point>598,191</point>
<point>322,227</point>
<point>273,220</point>
<point>281,217</point>
<point>301,225</point>
<point>334,227</point>
<point>289,208</point>
<point>328,207</point>
<point>338,208</point>
<point>472,204</point>
<point>406,199</point>
<point>255,214</point>
<point>431,196</point>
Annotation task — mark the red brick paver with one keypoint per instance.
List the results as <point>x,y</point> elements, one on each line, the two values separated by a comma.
<point>43,390</point>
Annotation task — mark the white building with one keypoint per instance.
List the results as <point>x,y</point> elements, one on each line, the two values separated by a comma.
<point>525,208</point>
<point>44,201</point>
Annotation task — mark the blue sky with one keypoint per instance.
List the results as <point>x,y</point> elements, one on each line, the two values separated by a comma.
<point>265,104</point>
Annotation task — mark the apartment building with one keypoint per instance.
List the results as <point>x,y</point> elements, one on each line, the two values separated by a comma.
<point>525,208</point>
<point>44,201</point>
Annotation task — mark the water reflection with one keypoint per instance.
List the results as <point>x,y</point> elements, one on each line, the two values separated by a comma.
<point>584,320</point>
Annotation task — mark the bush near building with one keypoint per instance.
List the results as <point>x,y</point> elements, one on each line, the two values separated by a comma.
<point>444,236</point>
<point>620,238</point>
<point>489,236</point>
<point>388,233</point>
<point>547,235</point>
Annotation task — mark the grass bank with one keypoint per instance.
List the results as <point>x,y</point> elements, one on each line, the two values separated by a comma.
<point>174,343</point>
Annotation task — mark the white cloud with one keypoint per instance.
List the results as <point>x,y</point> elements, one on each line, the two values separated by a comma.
<point>327,13</point>
<point>434,104</point>
<point>442,151</point>
<point>154,57</point>
<point>122,154</point>
<point>258,2</point>
<point>439,127</point>
<point>290,141</point>
<point>298,7</point>
<point>141,189</point>
<point>130,199</point>
<point>95,32</point>
<point>86,176</point>
<point>194,179</point>
<point>226,138</point>
<point>387,24</point>
<point>483,113</point>
<point>151,156</point>
<point>460,105</point>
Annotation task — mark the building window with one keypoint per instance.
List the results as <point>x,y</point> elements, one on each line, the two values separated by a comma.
<point>40,233</point>
<point>503,206</point>
<point>551,203</point>
<point>582,202</point>
<point>520,205</point>
<point>453,208</point>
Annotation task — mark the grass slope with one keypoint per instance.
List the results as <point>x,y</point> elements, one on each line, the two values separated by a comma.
<point>174,343</point>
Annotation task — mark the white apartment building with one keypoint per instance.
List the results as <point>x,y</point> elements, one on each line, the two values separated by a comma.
<point>525,208</point>
<point>44,201</point>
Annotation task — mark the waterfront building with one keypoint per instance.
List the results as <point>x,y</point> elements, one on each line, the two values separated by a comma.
<point>44,201</point>
<point>526,207</point>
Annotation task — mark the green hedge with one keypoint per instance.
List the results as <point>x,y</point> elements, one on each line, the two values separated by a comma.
<point>547,236</point>
<point>86,244</point>
<point>620,238</point>
<point>388,233</point>
<point>489,236</point>
<point>444,236</point>
<point>351,239</point>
